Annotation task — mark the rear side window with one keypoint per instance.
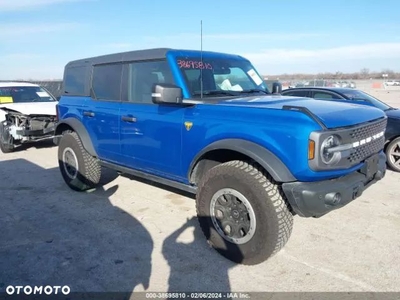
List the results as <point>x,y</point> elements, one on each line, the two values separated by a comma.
<point>106,82</point>
<point>74,81</point>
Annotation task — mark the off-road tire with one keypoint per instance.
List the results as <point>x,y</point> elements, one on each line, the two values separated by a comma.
<point>274,221</point>
<point>4,147</point>
<point>89,168</point>
<point>389,148</point>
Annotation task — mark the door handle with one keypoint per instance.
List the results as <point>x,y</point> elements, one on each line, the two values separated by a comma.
<point>128,119</point>
<point>88,113</point>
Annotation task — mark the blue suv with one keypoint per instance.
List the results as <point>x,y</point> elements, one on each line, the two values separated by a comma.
<point>206,123</point>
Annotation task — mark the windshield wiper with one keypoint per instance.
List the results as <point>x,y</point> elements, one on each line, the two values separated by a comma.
<point>254,91</point>
<point>209,93</point>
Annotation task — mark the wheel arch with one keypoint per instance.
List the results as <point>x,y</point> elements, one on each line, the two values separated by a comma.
<point>389,142</point>
<point>75,125</point>
<point>232,149</point>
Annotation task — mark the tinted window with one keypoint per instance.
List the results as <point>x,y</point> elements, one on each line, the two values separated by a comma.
<point>74,81</point>
<point>106,82</point>
<point>140,77</point>
<point>296,93</point>
<point>325,95</point>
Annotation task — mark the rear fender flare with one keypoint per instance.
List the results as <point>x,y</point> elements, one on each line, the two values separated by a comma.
<point>80,129</point>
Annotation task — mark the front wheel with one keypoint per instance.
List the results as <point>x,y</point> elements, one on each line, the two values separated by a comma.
<point>243,213</point>
<point>393,154</point>
<point>80,170</point>
<point>6,140</point>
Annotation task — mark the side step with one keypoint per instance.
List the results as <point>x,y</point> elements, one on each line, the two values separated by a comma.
<point>177,185</point>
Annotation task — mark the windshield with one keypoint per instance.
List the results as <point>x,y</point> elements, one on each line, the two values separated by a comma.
<point>24,94</point>
<point>359,95</point>
<point>221,77</point>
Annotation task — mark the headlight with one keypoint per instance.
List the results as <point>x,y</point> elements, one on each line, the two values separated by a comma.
<point>330,157</point>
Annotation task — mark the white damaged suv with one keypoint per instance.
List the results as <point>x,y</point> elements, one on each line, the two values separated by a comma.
<point>27,114</point>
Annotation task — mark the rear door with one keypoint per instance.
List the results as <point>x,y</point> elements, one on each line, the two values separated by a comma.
<point>101,115</point>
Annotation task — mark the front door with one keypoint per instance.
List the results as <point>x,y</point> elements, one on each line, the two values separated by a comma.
<point>150,134</point>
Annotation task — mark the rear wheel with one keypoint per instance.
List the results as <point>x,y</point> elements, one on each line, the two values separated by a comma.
<point>79,169</point>
<point>242,213</point>
<point>393,154</point>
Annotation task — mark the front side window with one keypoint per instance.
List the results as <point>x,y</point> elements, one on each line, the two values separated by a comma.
<point>24,94</point>
<point>140,78</point>
<point>220,76</point>
<point>296,93</point>
<point>325,96</point>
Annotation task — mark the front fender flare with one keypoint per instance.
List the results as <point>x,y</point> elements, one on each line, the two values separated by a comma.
<point>80,129</point>
<point>269,161</point>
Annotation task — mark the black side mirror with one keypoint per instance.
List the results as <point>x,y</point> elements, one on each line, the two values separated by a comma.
<point>166,93</point>
<point>276,88</point>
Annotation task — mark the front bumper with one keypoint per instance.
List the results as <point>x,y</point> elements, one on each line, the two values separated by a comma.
<point>315,199</point>
<point>37,133</point>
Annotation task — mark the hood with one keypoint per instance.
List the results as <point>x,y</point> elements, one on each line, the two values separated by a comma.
<point>332,114</point>
<point>393,113</point>
<point>32,108</point>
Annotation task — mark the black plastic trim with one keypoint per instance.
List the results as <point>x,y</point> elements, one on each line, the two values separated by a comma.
<point>307,112</point>
<point>80,129</point>
<point>314,199</point>
<point>274,166</point>
<point>151,177</point>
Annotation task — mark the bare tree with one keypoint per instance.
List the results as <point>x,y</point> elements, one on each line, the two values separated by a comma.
<point>364,73</point>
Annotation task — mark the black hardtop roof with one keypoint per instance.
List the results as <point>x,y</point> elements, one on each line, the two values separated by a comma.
<point>145,54</point>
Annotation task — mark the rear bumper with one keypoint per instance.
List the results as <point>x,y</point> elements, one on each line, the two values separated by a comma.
<point>315,199</point>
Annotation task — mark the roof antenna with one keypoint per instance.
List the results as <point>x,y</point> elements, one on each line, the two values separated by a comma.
<point>201,59</point>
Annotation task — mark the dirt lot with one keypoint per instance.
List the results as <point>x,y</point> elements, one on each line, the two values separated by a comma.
<point>130,235</point>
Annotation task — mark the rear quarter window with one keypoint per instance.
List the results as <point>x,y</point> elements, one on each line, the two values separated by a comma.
<point>74,81</point>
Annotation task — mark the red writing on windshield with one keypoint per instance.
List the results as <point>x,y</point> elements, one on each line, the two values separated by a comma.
<point>193,64</point>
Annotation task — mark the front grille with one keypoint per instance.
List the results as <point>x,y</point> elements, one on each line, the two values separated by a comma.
<point>368,130</point>
<point>362,152</point>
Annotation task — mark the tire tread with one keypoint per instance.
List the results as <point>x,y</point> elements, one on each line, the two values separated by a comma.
<point>275,196</point>
<point>91,171</point>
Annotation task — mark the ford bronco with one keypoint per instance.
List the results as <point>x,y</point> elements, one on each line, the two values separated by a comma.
<point>206,123</point>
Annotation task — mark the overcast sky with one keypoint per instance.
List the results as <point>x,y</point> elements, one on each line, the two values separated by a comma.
<point>38,37</point>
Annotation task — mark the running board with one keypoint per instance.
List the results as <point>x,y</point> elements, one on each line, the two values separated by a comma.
<point>177,185</point>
